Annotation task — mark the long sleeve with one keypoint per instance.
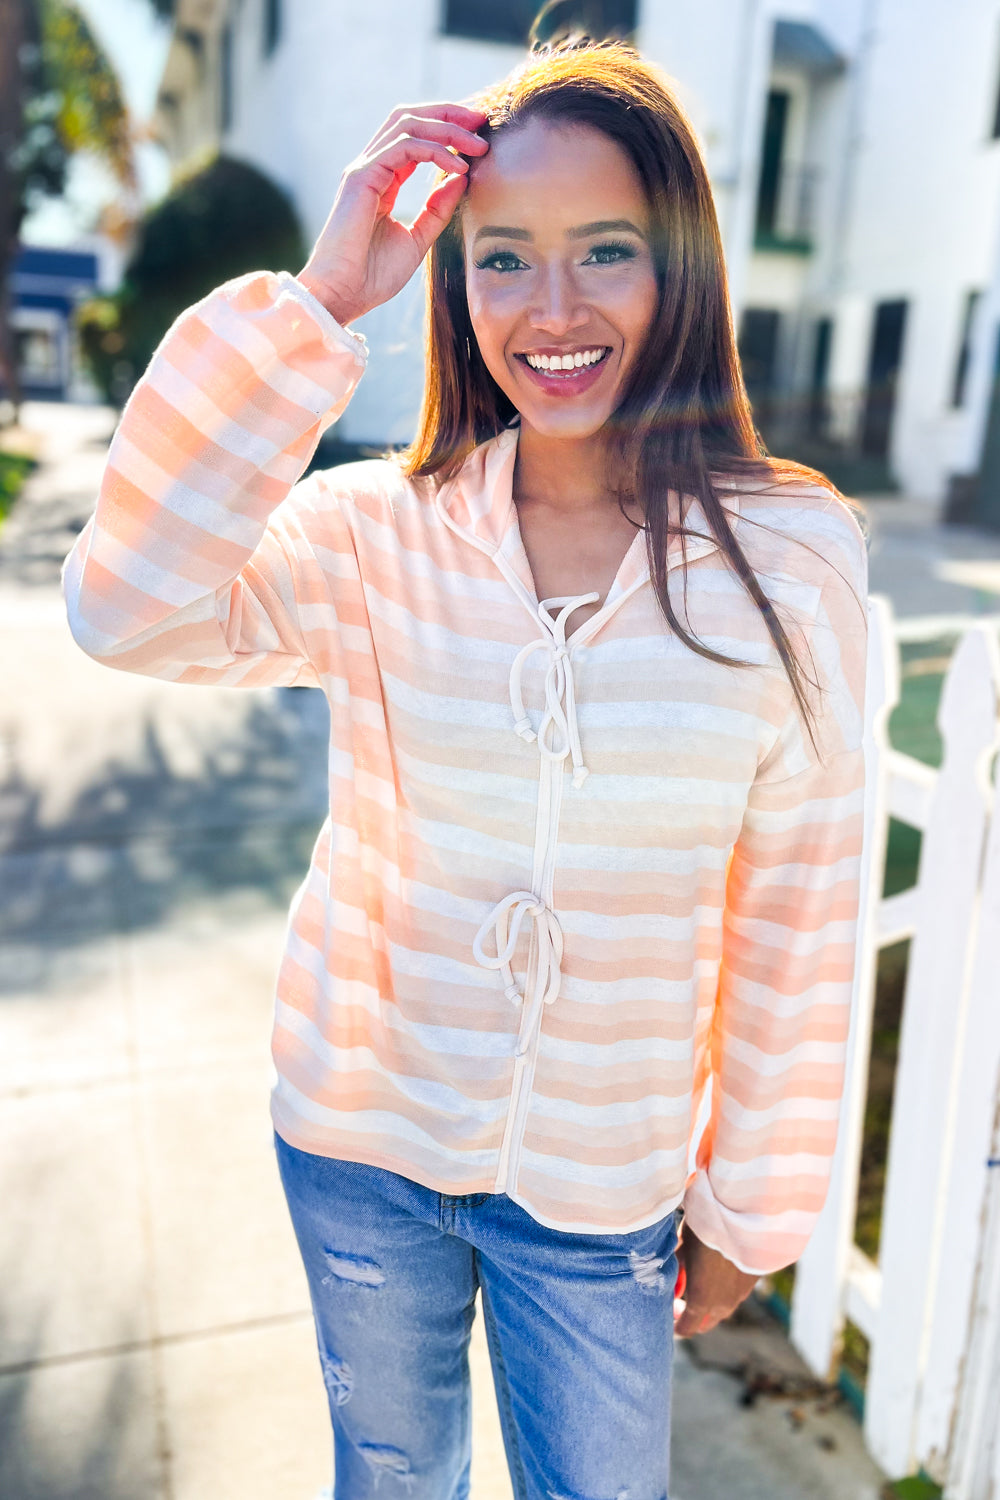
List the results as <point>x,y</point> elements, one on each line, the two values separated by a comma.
<point>780,1025</point>
<point>195,560</point>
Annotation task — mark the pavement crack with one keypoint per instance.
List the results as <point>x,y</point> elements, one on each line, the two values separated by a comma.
<point>156,1341</point>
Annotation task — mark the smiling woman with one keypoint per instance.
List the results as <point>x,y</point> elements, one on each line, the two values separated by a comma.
<point>597,124</point>
<point>572,962</point>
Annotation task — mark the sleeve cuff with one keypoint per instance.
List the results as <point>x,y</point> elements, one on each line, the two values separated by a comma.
<point>289,339</point>
<point>753,1243</point>
<point>342,338</point>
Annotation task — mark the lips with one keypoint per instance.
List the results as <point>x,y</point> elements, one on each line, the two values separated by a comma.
<point>567,372</point>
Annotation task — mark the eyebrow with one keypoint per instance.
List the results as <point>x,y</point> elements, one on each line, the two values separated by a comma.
<point>581,232</point>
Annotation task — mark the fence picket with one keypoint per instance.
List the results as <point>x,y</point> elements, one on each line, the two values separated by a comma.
<point>923,1116</point>
<point>966,1175</point>
<point>821,1273</point>
<point>931,1308</point>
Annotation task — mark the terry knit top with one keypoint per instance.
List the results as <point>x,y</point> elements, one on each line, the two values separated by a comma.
<point>580,890</point>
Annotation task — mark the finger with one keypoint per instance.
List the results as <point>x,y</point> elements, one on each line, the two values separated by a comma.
<point>693,1318</point>
<point>388,200</point>
<point>384,176</point>
<point>688,1328</point>
<point>408,148</point>
<point>468,116</point>
<point>684,1323</point>
<point>438,209</point>
<point>448,133</point>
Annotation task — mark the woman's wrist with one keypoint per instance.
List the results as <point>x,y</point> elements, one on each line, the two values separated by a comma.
<point>337,306</point>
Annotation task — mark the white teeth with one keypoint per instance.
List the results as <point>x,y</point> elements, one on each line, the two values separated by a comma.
<point>574,361</point>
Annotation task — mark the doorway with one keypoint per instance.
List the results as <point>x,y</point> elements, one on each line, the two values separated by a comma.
<point>883,377</point>
<point>760,329</point>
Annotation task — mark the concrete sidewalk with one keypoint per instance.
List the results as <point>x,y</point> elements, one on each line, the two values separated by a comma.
<point>155,1340</point>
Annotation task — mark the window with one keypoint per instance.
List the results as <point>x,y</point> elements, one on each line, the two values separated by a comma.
<point>226,78</point>
<point>38,352</point>
<point>511,20</point>
<point>964,349</point>
<point>772,150</point>
<point>272,25</point>
<point>995,132</point>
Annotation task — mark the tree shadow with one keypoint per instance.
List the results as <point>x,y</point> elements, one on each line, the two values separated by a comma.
<point>143,839</point>
<point>80,1429</point>
<point>135,844</point>
<point>46,519</point>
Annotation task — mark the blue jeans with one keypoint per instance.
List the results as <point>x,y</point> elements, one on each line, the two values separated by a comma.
<point>579,1326</point>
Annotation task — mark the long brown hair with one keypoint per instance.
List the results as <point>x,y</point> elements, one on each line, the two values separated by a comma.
<point>684,413</point>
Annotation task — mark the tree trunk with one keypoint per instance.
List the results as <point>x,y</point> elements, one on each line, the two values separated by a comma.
<point>13,35</point>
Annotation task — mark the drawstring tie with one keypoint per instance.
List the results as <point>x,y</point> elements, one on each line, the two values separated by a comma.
<point>504,921</point>
<point>558,733</point>
<point>558,736</point>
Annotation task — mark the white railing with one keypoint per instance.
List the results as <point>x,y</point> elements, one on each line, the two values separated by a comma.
<point>930,1308</point>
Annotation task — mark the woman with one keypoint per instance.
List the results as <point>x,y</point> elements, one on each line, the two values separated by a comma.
<point>595,669</point>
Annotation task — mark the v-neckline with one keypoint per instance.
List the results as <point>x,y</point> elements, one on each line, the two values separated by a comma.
<point>515,555</point>
<point>479,504</point>
<point>633,566</point>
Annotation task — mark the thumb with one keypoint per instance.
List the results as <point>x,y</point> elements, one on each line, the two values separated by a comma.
<point>438,209</point>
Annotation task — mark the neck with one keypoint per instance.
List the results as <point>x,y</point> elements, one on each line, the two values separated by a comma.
<point>564,474</point>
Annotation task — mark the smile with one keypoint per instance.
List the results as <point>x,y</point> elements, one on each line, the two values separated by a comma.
<point>576,359</point>
<point>558,375</point>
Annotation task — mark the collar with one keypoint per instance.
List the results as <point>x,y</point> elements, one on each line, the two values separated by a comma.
<point>478,503</point>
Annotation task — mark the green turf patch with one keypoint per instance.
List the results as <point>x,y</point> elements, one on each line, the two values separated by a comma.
<point>913,730</point>
<point>912,726</point>
<point>14,470</point>
<point>915,1487</point>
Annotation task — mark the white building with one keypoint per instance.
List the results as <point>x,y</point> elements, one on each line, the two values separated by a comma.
<point>854,151</point>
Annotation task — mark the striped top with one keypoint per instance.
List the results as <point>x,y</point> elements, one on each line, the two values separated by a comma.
<point>579,890</point>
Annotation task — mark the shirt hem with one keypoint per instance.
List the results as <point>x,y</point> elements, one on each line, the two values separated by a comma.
<point>367,1156</point>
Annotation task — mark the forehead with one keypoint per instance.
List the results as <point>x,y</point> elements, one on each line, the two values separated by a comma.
<point>554,175</point>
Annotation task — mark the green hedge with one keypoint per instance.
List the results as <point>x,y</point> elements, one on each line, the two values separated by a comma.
<point>221,222</point>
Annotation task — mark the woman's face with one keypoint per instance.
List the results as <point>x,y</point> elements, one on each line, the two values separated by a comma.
<point>560,276</point>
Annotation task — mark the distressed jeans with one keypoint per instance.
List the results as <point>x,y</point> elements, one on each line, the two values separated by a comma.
<point>579,1327</point>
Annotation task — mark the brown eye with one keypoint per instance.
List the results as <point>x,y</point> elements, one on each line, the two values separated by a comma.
<point>610,252</point>
<point>500,260</point>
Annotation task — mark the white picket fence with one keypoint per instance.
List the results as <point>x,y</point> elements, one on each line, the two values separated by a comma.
<point>930,1308</point>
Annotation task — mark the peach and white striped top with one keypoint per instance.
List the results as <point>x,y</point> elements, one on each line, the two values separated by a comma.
<point>569,878</point>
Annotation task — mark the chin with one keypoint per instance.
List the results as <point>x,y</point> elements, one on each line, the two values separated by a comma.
<point>568,426</point>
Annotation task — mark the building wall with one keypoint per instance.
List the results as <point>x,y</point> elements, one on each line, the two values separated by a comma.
<point>922,214</point>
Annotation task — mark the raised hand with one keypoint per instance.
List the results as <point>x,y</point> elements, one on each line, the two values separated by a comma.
<point>710,1286</point>
<point>363,255</point>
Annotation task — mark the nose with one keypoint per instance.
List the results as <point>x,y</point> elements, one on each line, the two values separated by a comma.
<point>558,307</point>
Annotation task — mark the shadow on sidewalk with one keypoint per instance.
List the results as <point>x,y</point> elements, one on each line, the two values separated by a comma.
<point>94,1453</point>
<point>142,839</point>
